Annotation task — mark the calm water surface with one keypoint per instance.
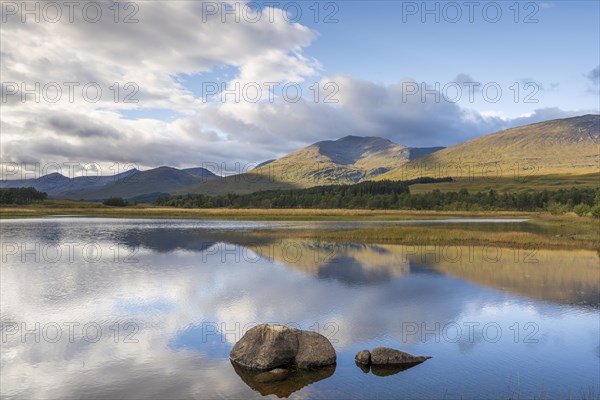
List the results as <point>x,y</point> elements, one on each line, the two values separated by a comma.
<point>118,308</point>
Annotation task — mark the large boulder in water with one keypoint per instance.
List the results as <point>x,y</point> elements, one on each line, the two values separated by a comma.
<point>314,350</point>
<point>265,347</point>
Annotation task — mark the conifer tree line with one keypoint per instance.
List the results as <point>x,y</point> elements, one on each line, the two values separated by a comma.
<point>21,195</point>
<point>380,195</point>
<point>396,195</point>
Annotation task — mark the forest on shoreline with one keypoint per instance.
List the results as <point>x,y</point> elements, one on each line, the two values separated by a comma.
<point>380,195</point>
<point>396,195</point>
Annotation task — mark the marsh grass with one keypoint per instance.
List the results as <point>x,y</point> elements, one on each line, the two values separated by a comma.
<point>578,179</point>
<point>419,235</point>
<point>561,231</point>
<point>58,207</point>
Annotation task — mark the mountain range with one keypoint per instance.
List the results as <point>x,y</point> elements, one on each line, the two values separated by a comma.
<point>132,184</point>
<point>569,147</point>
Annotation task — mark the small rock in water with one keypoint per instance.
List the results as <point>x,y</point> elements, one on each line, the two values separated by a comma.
<point>384,361</point>
<point>392,357</point>
<point>363,357</point>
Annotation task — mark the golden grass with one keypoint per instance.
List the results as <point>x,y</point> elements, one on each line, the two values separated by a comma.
<point>430,235</point>
<point>559,147</point>
<point>541,230</point>
<point>525,184</point>
<point>545,230</point>
<point>58,207</point>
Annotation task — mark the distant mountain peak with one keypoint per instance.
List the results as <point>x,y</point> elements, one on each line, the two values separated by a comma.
<point>361,138</point>
<point>364,140</point>
<point>54,175</point>
<point>349,159</point>
<point>200,172</point>
<point>351,149</point>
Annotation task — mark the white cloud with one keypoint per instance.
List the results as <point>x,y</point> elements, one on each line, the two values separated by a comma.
<point>178,39</point>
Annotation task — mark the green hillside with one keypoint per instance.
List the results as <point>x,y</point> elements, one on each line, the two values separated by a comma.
<point>563,151</point>
<point>348,160</point>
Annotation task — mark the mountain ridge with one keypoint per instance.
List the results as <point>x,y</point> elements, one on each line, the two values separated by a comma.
<point>129,184</point>
<point>559,146</point>
<point>569,146</point>
<point>347,160</point>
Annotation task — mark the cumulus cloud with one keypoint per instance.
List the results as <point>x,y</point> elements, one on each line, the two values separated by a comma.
<point>43,58</point>
<point>103,73</point>
<point>365,108</point>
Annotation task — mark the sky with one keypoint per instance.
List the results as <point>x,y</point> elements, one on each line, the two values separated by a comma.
<point>109,86</point>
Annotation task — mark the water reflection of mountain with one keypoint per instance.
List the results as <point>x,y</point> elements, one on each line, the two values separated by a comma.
<point>352,264</point>
<point>562,276</point>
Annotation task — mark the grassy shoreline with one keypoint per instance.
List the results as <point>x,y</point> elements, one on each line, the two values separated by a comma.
<point>90,209</point>
<point>543,230</point>
<point>419,236</point>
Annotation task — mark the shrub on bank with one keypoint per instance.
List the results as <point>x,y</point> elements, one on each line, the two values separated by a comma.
<point>582,209</point>
<point>115,202</point>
